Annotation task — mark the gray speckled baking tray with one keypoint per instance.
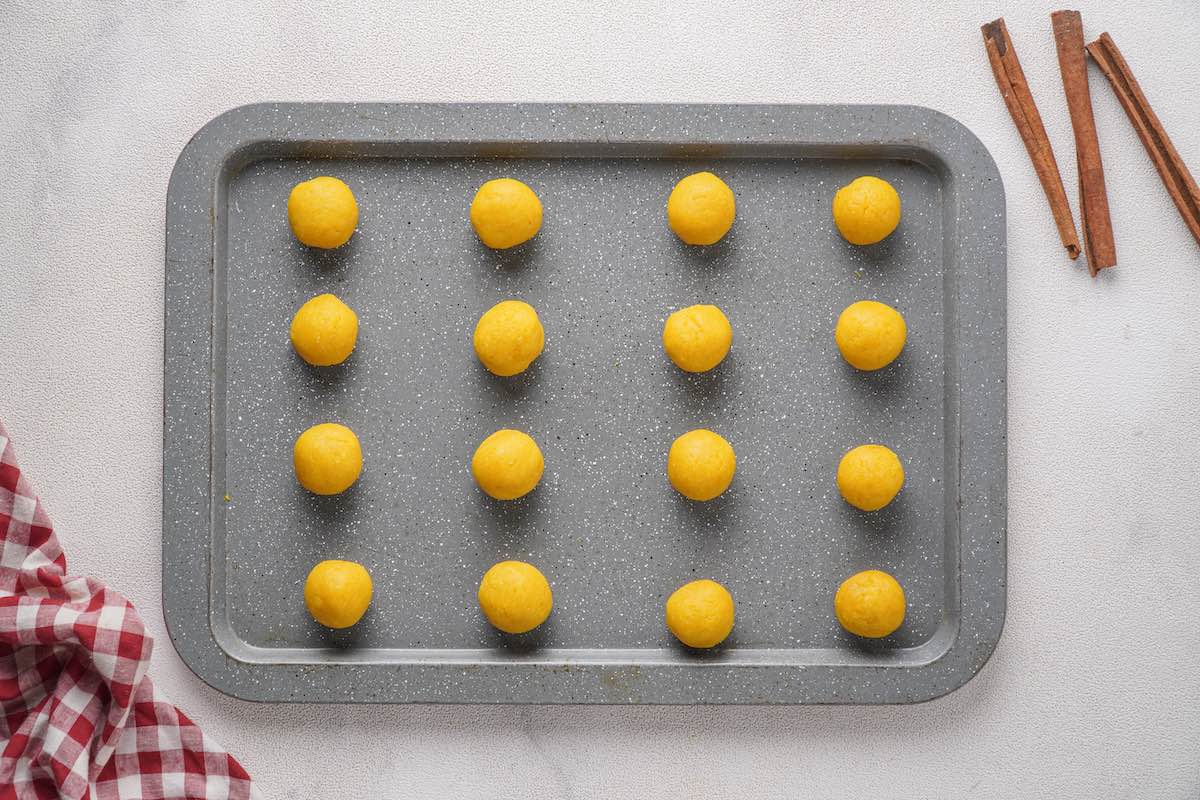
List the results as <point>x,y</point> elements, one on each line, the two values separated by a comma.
<point>239,535</point>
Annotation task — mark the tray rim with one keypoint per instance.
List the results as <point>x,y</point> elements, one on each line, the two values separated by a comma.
<point>228,143</point>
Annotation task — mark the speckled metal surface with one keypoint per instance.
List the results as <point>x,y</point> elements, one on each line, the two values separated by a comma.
<point>603,402</point>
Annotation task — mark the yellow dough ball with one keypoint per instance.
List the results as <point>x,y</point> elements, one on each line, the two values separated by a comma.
<point>322,212</point>
<point>701,209</point>
<point>324,331</point>
<point>700,613</point>
<point>701,464</point>
<point>337,593</point>
<point>869,476</point>
<point>866,210</point>
<point>507,464</point>
<point>697,338</point>
<point>870,334</point>
<point>508,337</point>
<point>328,458</point>
<point>505,213</point>
<point>870,604</point>
<point>515,596</point>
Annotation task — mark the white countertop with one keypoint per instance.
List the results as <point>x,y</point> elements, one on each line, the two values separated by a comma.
<point>1093,691</point>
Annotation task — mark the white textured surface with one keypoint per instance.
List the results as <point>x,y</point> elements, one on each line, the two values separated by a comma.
<point>1093,690</point>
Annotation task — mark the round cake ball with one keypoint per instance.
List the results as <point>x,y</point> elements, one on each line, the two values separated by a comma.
<point>337,593</point>
<point>700,465</point>
<point>697,338</point>
<point>508,337</point>
<point>515,597</point>
<point>507,464</point>
<point>701,209</point>
<point>870,334</point>
<point>322,212</point>
<point>870,604</point>
<point>866,210</point>
<point>324,331</point>
<point>870,476</point>
<point>700,613</point>
<point>328,458</point>
<point>505,213</point>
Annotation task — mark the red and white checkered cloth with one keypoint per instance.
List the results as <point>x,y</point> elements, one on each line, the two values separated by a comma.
<point>79,718</point>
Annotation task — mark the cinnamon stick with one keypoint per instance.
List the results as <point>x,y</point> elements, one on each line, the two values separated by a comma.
<point>1010,78</point>
<point>1174,173</point>
<point>1093,198</point>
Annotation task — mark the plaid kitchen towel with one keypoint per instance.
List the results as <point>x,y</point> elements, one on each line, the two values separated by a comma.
<point>79,717</point>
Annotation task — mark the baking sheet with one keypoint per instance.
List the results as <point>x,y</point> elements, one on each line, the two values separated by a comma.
<point>603,402</point>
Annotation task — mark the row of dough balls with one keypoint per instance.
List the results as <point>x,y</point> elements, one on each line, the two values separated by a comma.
<point>515,597</point>
<point>505,212</point>
<point>508,464</point>
<point>509,336</point>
